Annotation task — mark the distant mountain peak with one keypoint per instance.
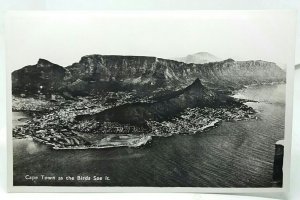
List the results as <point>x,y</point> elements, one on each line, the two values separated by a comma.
<point>203,53</point>
<point>229,60</point>
<point>199,58</point>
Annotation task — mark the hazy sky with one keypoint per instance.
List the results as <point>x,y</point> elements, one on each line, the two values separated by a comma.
<point>63,38</point>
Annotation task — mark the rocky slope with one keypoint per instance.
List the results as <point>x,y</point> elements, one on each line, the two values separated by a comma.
<point>95,73</point>
<point>199,58</point>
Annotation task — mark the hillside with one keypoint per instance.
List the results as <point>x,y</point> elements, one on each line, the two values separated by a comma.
<point>41,77</point>
<point>195,95</point>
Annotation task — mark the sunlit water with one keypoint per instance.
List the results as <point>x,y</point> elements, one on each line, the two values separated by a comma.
<point>235,154</point>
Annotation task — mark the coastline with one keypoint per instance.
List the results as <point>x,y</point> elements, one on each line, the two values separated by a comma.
<point>191,121</point>
<point>131,141</point>
<point>73,140</point>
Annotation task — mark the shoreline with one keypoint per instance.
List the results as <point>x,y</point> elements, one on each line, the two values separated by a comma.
<point>62,141</point>
<point>143,142</point>
<point>135,142</point>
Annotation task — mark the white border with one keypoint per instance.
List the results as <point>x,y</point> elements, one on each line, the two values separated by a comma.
<point>263,192</point>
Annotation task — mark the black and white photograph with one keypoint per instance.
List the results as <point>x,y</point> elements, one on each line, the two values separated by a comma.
<point>157,99</point>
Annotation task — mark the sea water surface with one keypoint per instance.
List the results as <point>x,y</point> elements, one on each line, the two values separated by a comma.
<point>235,154</point>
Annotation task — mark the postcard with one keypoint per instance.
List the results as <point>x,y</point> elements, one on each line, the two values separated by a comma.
<point>158,101</point>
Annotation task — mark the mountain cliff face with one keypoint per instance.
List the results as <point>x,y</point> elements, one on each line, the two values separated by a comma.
<point>159,72</point>
<point>156,71</point>
<point>125,69</point>
<point>98,72</point>
<point>199,58</point>
<point>195,95</point>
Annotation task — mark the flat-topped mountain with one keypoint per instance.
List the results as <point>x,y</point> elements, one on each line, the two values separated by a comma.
<point>199,58</point>
<point>195,95</point>
<point>95,73</point>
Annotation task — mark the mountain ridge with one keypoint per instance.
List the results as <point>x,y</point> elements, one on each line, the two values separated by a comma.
<point>100,72</point>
